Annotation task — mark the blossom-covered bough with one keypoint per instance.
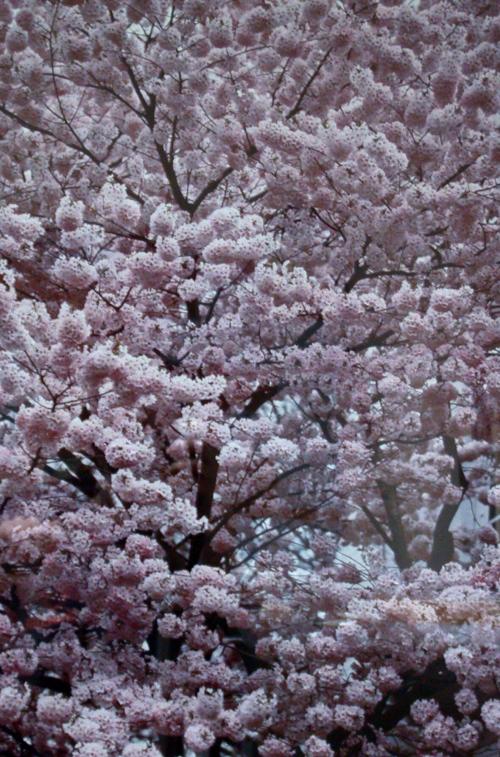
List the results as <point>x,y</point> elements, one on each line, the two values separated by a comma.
<point>250,378</point>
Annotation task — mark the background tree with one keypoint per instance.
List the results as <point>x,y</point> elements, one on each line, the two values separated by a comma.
<point>248,292</point>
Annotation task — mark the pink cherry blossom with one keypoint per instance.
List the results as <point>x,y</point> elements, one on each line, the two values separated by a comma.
<point>249,378</point>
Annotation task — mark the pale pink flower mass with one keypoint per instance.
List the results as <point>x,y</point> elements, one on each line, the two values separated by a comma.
<point>249,378</point>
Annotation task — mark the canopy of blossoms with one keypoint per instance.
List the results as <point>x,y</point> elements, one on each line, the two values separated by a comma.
<point>249,378</point>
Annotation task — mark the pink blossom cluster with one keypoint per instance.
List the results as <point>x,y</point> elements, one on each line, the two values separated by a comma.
<point>249,378</point>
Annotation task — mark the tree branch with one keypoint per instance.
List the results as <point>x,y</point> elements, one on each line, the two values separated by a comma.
<point>253,497</point>
<point>457,174</point>
<point>442,541</point>
<point>206,488</point>
<point>305,89</point>
<point>435,682</point>
<point>398,539</point>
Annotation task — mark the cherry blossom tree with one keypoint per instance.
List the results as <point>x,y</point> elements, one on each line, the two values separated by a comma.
<point>250,378</point>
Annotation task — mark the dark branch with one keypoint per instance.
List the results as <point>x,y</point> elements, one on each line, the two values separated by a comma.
<point>457,174</point>
<point>293,112</point>
<point>442,542</point>
<point>398,539</point>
